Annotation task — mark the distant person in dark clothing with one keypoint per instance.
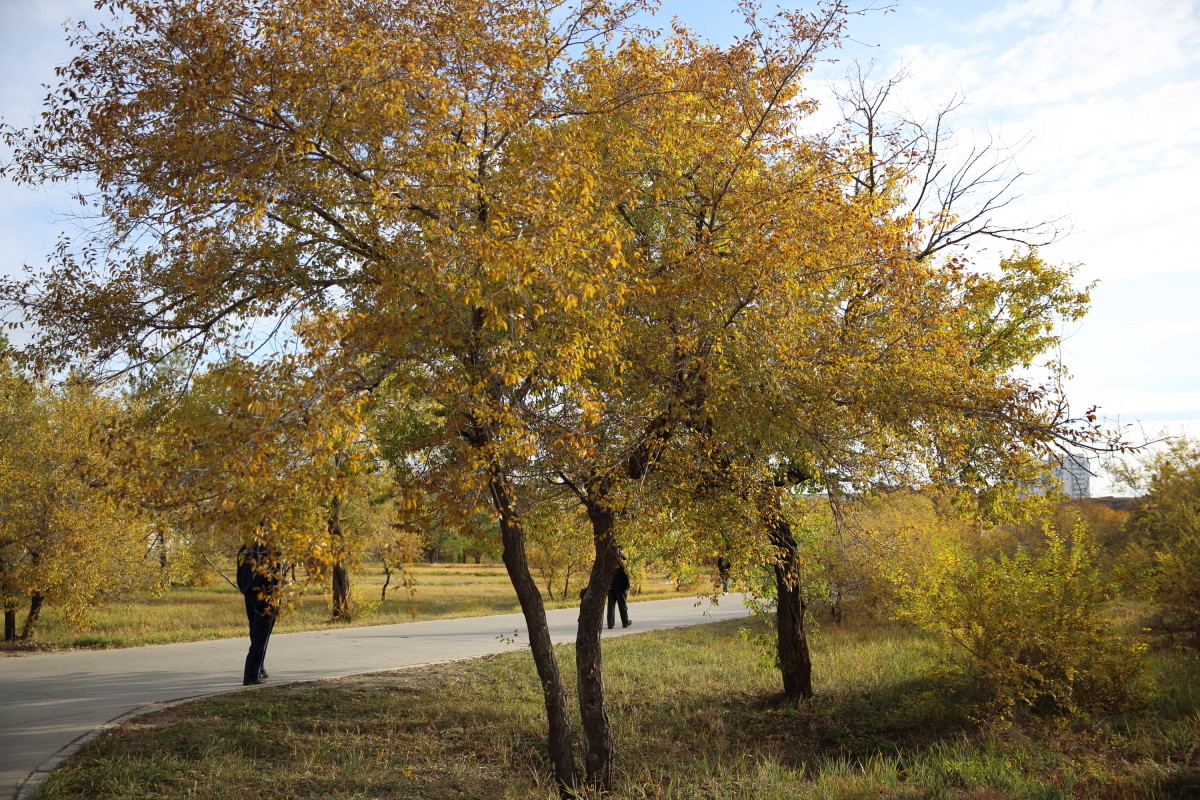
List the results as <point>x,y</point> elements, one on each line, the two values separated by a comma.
<point>617,591</point>
<point>257,578</point>
<point>723,566</point>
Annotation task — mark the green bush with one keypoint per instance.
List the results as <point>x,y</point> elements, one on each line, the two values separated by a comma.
<point>1164,534</point>
<point>1175,587</point>
<point>1028,632</point>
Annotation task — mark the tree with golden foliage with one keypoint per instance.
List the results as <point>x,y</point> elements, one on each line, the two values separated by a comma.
<point>67,537</point>
<point>578,251</point>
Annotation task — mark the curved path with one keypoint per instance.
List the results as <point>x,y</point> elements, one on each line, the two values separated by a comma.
<point>50,703</point>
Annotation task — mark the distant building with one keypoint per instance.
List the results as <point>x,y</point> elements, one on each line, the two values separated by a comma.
<point>1073,475</point>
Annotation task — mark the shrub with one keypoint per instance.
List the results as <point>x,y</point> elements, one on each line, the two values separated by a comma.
<point>1175,587</point>
<point>1164,533</point>
<point>1028,631</point>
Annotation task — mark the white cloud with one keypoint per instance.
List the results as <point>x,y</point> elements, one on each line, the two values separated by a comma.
<point>1136,226</point>
<point>1096,46</point>
<point>1074,51</point>
<point>1022,13</point>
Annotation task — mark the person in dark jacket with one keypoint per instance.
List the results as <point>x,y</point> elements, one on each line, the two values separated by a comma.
<point>617,591</point>
<point>257,578</point>
<point>723,567</point>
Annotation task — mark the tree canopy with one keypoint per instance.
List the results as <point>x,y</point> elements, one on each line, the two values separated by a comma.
<point>574,254</point>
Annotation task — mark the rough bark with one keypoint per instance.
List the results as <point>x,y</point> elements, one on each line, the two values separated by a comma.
<point>516,562</point>
<point>795,663</point>
<point>341,574</point>
<point>597,730</point>
<point>31,620</point>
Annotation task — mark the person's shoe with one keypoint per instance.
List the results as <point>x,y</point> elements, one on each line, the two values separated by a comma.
<point>254,682</point>
<point>610,627</point>
<point>626,623</point>
<point>263,675</point>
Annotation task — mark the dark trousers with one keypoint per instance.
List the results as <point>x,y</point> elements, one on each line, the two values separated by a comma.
<point>616,599</point>
<point>261,617</point>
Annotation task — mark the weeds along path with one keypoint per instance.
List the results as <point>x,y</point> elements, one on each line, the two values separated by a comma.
<point>51,703</point>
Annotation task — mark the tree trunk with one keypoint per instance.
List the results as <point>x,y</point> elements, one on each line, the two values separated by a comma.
<point>164,559</point>
<point>341,574</point>
<point>35,611</point>
<point>795,664</point>
<point>10,624</point>
<point>387,579</point>
<point>516,563</point>
<point>597,730</point>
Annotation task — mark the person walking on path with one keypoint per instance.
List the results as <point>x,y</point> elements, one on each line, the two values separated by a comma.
<point>257,578</point>
<point>617,592</point>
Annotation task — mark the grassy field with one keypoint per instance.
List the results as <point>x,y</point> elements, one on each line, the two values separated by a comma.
<point>695,713</point>
<point>185,614</point>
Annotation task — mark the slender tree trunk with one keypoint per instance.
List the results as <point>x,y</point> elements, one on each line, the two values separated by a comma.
<point>10,623</point>
<point>341,574</point>
<point>31,620</point>
<point>795,663</point>
<point>597,730</point>
<point>516,562</point>
<point>835,608</point>
<point>164,558</point>
<point>387,579</point>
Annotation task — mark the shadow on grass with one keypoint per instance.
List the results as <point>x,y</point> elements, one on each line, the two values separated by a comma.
<point>859,711</point>
<point>695,715</point>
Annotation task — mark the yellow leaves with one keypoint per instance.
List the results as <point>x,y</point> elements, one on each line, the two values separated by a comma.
<point>72,536</point>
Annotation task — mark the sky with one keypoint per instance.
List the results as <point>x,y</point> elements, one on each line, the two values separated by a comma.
<point>1100,100</point>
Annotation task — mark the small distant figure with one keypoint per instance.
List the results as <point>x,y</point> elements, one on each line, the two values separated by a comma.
<point>258,575</point>
<point>617,592</point>
<point>582,595</point>
<point>723,567</point>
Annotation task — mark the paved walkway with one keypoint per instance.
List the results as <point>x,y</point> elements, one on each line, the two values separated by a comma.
<point>50,703</point>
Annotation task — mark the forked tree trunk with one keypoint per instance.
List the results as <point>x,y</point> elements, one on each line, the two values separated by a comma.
<point>516,562</point>
<point>589,665</point>
<point>795,663</point>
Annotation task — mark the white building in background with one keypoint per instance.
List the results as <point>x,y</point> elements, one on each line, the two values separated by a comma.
<point>1074,476</point>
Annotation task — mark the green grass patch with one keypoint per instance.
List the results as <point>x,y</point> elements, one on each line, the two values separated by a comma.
<point>695,716</point>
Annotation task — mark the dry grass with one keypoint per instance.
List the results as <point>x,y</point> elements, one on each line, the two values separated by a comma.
<point>183,613</point>
<point>694,714</point>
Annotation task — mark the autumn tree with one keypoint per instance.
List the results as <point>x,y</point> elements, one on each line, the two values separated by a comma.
<point>394,176</point>
<point>1164,536</point>
<point>67,537</point>
<point>576,252</point>
<point>220,452</point>
<point>560,549</point>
